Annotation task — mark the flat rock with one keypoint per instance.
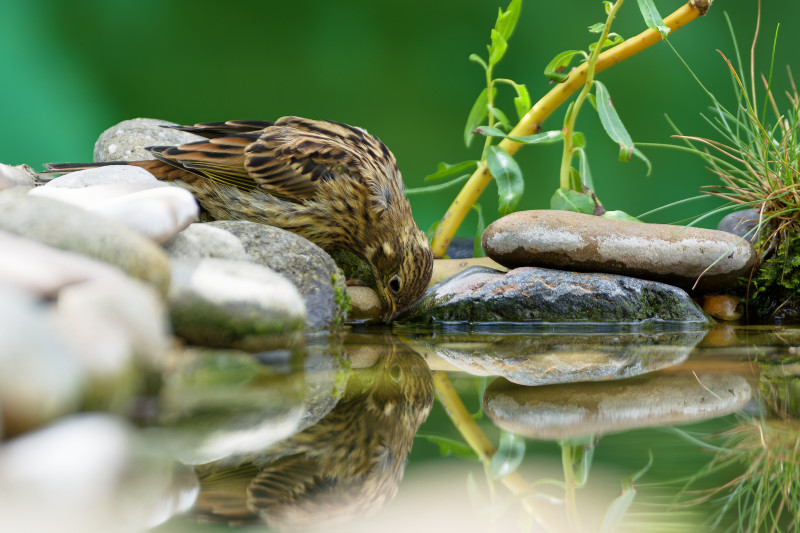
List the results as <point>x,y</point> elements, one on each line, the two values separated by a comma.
<point>572,241</point>
<point>555,412</point>
<point>70,228</point>
<point>567,355</point>
<point>127,140</point>
<point>234,304</point>
<point>529,294</point>
<point>313,271</point>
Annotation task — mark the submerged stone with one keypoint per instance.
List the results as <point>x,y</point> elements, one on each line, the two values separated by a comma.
<point>562,357</point>
<point>529,294</point>
<point>557,412</point>
<point>572,241</point>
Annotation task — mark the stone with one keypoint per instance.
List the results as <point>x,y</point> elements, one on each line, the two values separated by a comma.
<point>43,270</point>
<point>556,355</point>
<point>225,404</point>
<point>234,304</point>
<point>201,240</point>
<point>150,207</point>
<point>127,140</point>
<point>73,229</point>
<point>40,379</point>
<point>365,306</point>
<point>88,473</point>
<point>16,176</point>
<point>313,272</point>
<point>572,241</point>
<point>461,248</point>
<point>555,412</point>
<point>118,330</point>
<point>535,295</point>
<point>741,223</point>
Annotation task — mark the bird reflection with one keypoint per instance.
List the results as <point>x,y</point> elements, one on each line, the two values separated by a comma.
<point>347,465</point>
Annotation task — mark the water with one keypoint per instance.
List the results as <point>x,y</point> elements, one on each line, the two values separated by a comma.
<point>587,429</point>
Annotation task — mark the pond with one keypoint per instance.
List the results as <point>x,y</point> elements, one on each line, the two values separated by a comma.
<point>508,428</point>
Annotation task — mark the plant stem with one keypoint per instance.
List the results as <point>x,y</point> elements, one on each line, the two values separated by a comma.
<point>572,115</point>
<point>531,122</point>
<point>478,441</point>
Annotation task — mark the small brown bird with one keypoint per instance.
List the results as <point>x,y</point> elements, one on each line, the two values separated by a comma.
<point>334,184</point>
<point>347,465</point>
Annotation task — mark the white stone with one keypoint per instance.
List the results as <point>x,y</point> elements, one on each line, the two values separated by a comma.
<point>16,176</point>
<point>127,140</point>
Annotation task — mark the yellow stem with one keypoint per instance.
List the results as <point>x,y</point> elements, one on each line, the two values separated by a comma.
<point>477,440</point>
<point>531,122</point>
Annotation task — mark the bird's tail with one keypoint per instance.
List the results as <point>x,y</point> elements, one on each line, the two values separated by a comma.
<point>159,169</point>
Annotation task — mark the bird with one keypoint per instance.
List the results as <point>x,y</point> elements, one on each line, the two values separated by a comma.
<point>334,184</point>
<point>345,466</point>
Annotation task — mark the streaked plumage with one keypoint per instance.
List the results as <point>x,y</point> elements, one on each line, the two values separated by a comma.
<point>345,466</point>
<point>334,184</point>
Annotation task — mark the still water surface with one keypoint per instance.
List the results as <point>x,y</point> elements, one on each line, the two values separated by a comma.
<point>505,429</point>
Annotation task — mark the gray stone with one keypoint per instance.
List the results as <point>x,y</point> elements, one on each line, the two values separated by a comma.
<point>307,265</point>
<point>44,270</point>
<point>572,241</point>
<point>200,241</point>
<point>16,176</point>
<point>129,195</point>
<point>741,223</point>
<point>555,412</point>
<point>127,140</point>
<point>220,303</point>
<point>70,228</point>
<point>566,355</point>
<point>529,294</point>
<point>91,472</point>
<point>39,376</point>
<point>365,306</point>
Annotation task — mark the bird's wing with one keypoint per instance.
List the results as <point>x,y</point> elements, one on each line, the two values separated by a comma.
<point>220,159</point>
<point>295,156</point>
<point>211,130</point>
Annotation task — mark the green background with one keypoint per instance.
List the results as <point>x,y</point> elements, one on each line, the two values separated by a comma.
<point>398,69</point>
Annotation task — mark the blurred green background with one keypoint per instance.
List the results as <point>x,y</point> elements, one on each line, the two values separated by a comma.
<point>398,69</point>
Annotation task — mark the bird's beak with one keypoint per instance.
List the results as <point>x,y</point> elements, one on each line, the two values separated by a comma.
<point>391,309</point>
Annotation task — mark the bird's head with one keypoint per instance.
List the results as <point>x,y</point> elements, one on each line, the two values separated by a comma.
<point>403,265</point>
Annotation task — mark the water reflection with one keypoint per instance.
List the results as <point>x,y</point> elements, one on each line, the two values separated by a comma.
<point>347,464</point>
<point>563,357</point>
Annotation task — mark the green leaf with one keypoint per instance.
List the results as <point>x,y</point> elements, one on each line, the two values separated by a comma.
<point>652,18</point>
<point>448,447</point>
<point>507,20</point>
<point>522,102</point>
<point>612,123</point>
<point>619,215</point>
<point>545,137</point>
<point>477,248</point>
<point>583,169</point>
<point>497,49</point>
<point>569,200</point>
<point>479,60</point>
<point>508,456</point>
<point>445,170</point>
<point>607,5</point>
<point>611,40</point>
<point>500,116</point>
<point>554,69</point>
<point>438,186</point>
<point>476,116</point>
<point>429,234</point>
<point>597,28</point>
<point>619,507</point>
<point>578,140</point>
<point>508,176</point>
<point>638,153</point>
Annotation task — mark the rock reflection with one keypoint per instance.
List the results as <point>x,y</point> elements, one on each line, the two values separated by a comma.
<point>558,412</point>
<point>551,358</point>
<point>346,465</point>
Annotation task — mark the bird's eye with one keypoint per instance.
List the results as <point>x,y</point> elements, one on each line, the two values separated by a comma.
<point>395,284</point>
